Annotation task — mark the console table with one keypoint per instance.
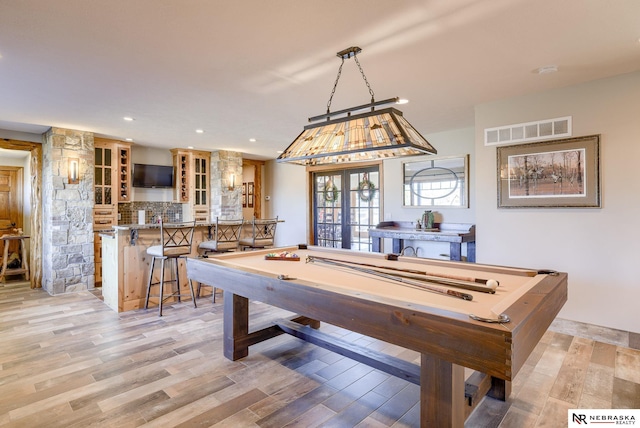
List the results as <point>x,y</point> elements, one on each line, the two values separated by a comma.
<point>453,233</point>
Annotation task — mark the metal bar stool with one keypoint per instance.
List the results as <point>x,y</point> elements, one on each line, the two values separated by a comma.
<point>175,243</point>
<point>223,237</point>
<point>24,264</point>
<point>263,233</point>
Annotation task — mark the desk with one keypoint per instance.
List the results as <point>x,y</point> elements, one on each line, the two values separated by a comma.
<point>453,233</point>
<point>436,325</point>
<point>24,268</point>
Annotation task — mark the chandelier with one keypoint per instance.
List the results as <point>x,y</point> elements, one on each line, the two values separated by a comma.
<point>360,137</point>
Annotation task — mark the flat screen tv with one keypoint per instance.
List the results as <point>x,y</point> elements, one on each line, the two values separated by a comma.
<point>152,176</point>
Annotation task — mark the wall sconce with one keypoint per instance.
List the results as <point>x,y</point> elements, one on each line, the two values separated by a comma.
<point>74,171</point>
<point>232,182</point>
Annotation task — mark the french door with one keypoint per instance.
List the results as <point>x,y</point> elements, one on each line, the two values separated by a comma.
<point>346,204</point>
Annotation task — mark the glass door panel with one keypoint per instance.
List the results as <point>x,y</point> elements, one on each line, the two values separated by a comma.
<point>346,206</point>
<point>364,207</point>
<point>328,211</point>
<point>103,176</point>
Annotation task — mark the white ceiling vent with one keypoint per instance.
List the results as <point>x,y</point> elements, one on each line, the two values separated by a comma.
<point>530,131</point>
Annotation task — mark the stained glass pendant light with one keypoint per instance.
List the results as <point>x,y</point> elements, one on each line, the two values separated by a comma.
<point>360,137</point>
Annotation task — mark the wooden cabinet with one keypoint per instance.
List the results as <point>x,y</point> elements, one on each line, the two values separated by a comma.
<point>123,153</point>
<point>181,170</point>
<point>112,180</point>
<point>192,184</point>
<point>112,184</point>
<point>104,185</point>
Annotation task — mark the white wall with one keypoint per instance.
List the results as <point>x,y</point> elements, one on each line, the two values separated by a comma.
<point>286,186</point>
<point>599,248</point>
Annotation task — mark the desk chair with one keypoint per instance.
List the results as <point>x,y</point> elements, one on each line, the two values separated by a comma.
<point>263,232</point>
<point>224,238</point>
<point>175,242</point>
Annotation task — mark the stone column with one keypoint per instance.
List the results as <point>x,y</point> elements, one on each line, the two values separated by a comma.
<point>67,220</point>
<point>226,203</point>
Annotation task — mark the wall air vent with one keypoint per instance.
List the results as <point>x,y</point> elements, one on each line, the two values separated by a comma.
<point>530,131</point>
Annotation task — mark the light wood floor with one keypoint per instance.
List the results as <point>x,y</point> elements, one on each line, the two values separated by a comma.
<point>69,361</point>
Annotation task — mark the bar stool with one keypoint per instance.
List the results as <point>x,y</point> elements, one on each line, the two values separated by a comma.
<point>223,237</point>
<point>263,233</point>
<point>24,268</point>
<point>175,243</point>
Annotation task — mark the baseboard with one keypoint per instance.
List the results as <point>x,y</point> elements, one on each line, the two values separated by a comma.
<point>611,336</point>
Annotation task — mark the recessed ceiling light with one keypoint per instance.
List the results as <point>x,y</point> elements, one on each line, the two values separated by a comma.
<point>402,101</point>
<point>252,140</point>
<point>128,139</point>
<point>189,147</point>
<point>128,118</point>
<point>279,151</point>
<point>200,131</point>
<point>548,69</point>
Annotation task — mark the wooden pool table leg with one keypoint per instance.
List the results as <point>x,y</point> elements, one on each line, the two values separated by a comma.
<point>500,389</point>
<point>235,326</point>
<point>441,393</point>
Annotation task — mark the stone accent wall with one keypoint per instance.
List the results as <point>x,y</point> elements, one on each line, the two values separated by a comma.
<point>68,256</point>
<point>225,203</point>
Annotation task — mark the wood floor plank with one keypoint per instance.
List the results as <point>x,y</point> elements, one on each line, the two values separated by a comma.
<point>395,408</point>
<point>312,418</point>
<point>288,413</point>
<point>627,363</point>
<point>570,380</point>
<point>224,411</point>
<point>69,361</point>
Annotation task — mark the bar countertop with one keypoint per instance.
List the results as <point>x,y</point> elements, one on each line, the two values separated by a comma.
<point>151,226</point>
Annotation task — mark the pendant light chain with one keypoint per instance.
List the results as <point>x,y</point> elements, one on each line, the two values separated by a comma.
<point>335,85</point>
<point>355,58</point>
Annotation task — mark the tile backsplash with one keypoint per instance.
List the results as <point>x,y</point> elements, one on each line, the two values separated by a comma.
<point>171,212</point>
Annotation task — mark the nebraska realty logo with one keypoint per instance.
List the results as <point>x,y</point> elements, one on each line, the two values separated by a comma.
<point>582,417</point>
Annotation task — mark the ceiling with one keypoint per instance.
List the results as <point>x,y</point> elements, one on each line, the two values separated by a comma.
<point>258,69</point>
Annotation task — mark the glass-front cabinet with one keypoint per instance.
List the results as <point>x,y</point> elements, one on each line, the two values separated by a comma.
<point>191,168</point>
<point>111,185</point>
<point>103,179</point>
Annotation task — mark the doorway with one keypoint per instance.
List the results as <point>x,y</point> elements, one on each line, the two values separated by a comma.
<point>35,206</point>
<point>252,188</point>
<point>346,204</point>
<point>11,212</point>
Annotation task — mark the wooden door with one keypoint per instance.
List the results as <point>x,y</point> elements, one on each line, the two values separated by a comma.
<point>10,201</point>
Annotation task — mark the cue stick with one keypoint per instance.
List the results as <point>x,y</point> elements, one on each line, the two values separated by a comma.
<point>440,290</point>
<point>469,283</point>
<point>465,285</point>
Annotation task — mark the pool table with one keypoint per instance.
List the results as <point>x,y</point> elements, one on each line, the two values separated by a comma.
<point>431,322</point>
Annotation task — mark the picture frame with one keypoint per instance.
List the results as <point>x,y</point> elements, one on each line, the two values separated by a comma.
<point>562,173</point>
<point>244,195</point>
<point>250,194</point>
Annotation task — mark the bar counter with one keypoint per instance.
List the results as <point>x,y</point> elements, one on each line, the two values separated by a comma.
<point>125,263</point>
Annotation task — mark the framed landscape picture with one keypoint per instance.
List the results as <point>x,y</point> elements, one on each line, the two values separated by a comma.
<point>551,174</point>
